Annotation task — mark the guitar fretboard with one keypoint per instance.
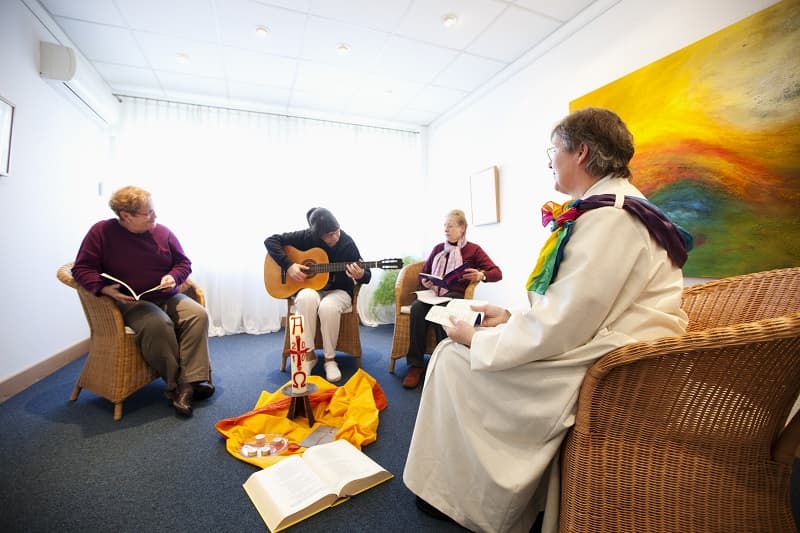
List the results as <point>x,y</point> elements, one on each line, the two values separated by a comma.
<point>339,267</point>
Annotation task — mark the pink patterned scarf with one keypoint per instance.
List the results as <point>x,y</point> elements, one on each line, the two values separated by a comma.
<point>446,260</point>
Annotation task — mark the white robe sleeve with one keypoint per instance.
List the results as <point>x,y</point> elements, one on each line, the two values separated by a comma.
<point>606,265</point>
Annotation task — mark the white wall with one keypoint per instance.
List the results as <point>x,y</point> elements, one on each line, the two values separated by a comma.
<point>510,126</point>
<point>59,156</point>
<point>47,203</point>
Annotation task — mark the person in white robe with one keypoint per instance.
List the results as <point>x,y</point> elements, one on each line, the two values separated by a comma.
<point>498,399</point>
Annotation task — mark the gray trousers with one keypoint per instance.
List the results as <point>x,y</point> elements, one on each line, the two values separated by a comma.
<point>173,338</point>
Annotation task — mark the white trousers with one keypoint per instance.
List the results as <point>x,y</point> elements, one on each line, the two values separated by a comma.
<point>328,306</point>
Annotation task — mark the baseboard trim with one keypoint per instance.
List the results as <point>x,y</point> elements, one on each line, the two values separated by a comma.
<point>21,381</point>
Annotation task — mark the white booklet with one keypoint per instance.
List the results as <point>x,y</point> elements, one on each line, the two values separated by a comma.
<point>133,293</point>
<point>457,308</point>
<point>429,297</point>
<point>300,486</point>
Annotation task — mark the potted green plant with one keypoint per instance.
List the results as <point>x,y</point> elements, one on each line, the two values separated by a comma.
<point>381,305</point>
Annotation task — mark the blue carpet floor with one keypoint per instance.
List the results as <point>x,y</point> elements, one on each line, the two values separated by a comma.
<point>68,466</point>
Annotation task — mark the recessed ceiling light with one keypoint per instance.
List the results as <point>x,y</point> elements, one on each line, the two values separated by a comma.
<point>262,31</point>
<point>180,57</point>
<point>343,49</point>
<point>449,20</point>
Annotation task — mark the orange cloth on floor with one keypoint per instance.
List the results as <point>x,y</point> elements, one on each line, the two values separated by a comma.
<point>352,408</point>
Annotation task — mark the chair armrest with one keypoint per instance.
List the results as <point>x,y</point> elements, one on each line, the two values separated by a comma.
<point>407,283</point>
<point>469,292</point>
<point>193,291</point>
<point>693,388</point>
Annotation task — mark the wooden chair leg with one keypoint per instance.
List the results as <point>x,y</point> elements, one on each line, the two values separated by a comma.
<point>75,392</point>
<point>118,411</point>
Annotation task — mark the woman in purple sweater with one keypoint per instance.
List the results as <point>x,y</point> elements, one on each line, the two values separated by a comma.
<point>446,256</point>
<point>171,328</point>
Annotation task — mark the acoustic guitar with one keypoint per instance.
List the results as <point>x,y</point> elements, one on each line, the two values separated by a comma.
<point>279,285</point>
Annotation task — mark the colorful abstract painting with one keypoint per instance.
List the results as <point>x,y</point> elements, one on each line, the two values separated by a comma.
<point>717,132</point>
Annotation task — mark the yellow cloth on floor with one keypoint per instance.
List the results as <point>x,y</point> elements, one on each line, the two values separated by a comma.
<point>352,408</point>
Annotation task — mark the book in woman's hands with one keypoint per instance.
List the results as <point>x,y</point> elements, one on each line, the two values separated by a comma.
<point>449,279</point>
<point>457,308</point>
<point>298,487</point>
<point>133,293</point>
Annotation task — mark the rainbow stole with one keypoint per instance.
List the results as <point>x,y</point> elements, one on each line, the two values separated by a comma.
<point>561,218</point>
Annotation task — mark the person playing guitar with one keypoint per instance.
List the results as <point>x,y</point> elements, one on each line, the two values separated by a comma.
<point>336,297</point>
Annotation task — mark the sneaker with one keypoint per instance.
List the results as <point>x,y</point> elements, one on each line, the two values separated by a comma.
<point>332,372</point>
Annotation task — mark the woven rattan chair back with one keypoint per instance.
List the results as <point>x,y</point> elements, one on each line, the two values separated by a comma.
<point>114,367</point>
<point>404,288</point>
<point>349,340</point>
<point>689,434</point>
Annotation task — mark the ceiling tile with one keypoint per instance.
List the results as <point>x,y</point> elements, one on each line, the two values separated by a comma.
<point>414,116</point>
<point>382,15</point>
<point>179,85</point>
<point>319,78</point>
<point>412,60</point>
<point>323,36</point>
<point>254,67</point>
<point>162,54</point>
<point>98,42</point>
<point>238,20</point>
<point>248,92</point>
<point>188,19</point>
<point>301,6</point>
<point>403,63</point>
<point>436,99</point>
<point>515,32</point>
<point>317,101</point>
<point>424,21</point>
<point>563,10</point>
<point>468,72</point>
<point>102,11</point>
<point>118,76</point>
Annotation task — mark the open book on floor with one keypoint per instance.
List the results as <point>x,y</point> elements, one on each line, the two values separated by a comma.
<point>301,486</point>
<point>133,293</point>
<point>458,308</point>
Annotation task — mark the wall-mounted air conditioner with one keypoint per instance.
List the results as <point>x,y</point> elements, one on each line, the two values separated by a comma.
<point>66,69</point>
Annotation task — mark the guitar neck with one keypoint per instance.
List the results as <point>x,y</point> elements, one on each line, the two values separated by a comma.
<point>339,267</point>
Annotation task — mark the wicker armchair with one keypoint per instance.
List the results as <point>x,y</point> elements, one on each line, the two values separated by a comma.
<point>405,286</point>
<point>349,336</point>
<point>114,368</point>
<point>689,434</point>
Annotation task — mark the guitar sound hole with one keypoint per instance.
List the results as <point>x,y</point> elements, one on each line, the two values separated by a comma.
<point>311,265</point>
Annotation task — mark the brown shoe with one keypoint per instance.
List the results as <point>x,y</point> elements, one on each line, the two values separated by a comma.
<point>411,381</point>
<point>183,399</point>
<point>203,390</point>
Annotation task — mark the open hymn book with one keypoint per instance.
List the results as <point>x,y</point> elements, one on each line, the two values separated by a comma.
<point>458,309</point>
<point>133,292</point>
<point>301,486</point>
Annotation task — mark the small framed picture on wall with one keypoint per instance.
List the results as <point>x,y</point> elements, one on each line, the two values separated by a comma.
<point>483,194</point>
<point>6,125</point>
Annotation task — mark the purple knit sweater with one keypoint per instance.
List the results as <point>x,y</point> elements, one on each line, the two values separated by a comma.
<point>139,259</point>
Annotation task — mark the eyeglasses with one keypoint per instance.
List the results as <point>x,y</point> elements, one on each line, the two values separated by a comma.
<point>149,214</point>
<point>551,153</point>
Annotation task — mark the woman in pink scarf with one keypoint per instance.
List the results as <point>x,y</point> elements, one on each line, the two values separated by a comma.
<point>445,257</point>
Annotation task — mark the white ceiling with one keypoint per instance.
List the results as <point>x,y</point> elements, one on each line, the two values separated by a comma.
<point>404,65</point>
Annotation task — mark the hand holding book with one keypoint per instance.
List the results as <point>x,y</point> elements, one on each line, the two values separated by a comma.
<point>163,285</point>
<point>449,279</point>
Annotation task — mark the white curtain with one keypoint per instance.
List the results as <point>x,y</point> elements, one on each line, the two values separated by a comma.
<point>223,180</point>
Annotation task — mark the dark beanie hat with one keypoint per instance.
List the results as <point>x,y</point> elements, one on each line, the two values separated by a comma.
<point>322,221</point>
